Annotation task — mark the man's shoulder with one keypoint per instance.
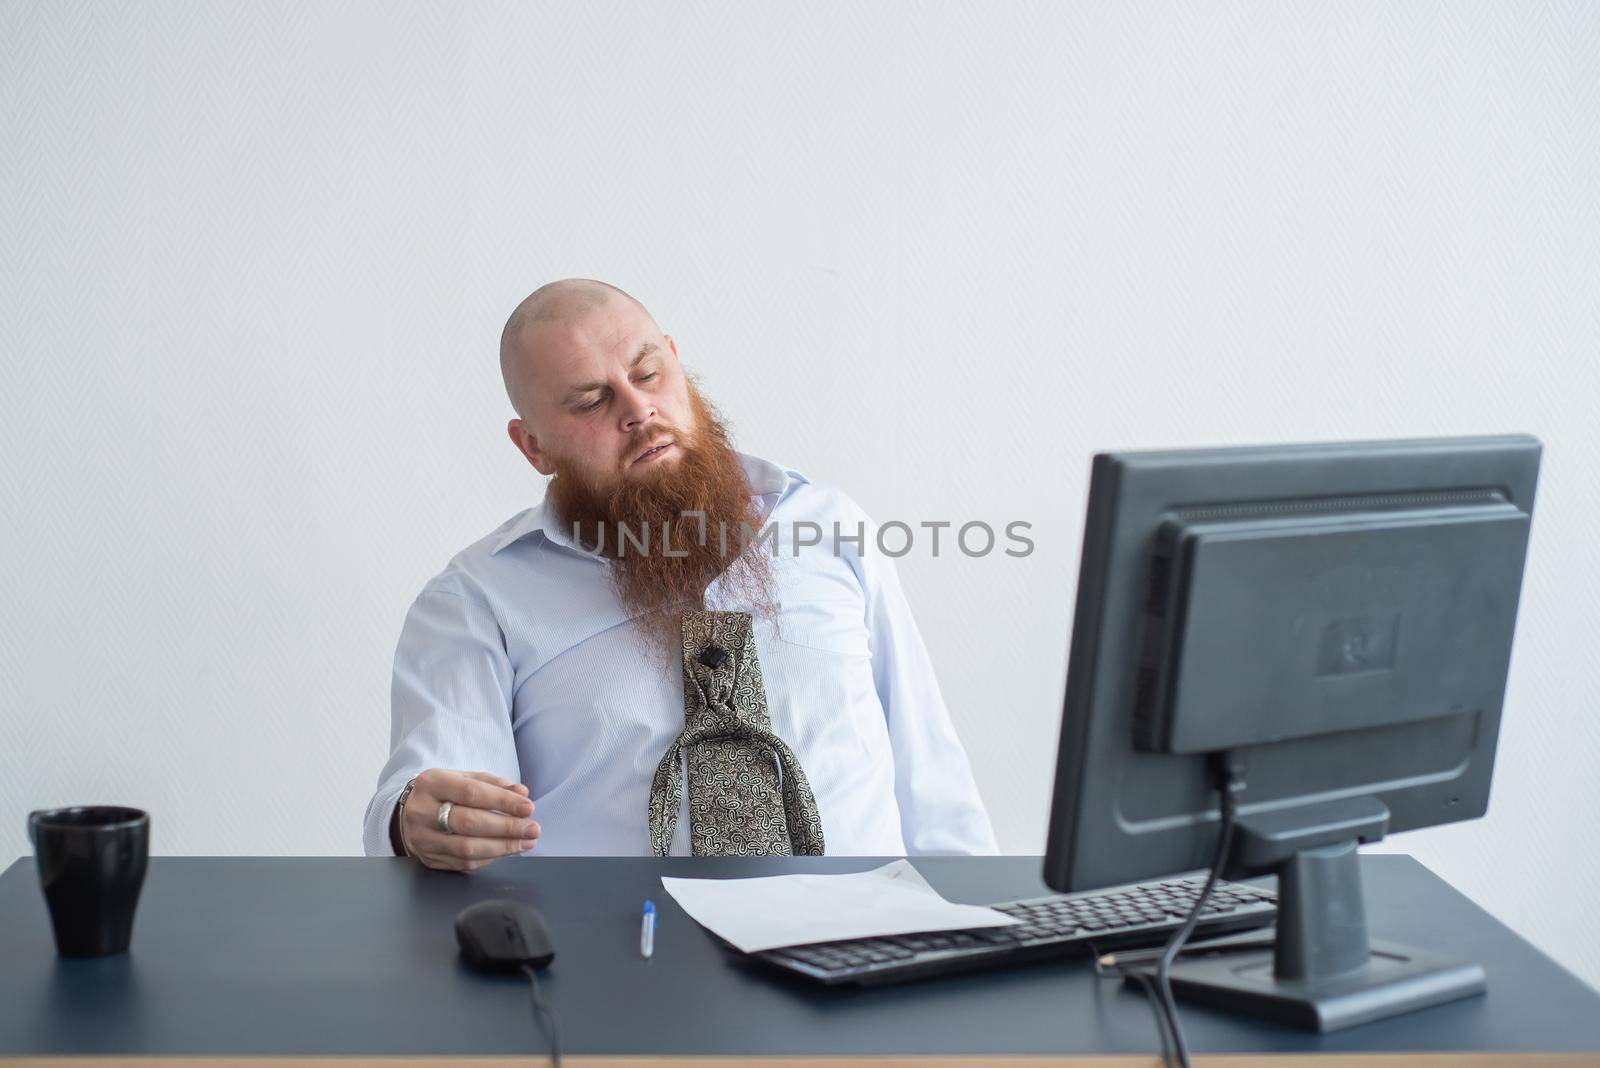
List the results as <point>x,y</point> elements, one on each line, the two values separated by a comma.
<point>471,570</point>
<point>819,499</point>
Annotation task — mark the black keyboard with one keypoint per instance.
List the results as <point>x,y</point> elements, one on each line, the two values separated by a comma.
<point>1138,914</point>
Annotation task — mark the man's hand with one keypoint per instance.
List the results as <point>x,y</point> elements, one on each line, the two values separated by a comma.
<point>489,820</point>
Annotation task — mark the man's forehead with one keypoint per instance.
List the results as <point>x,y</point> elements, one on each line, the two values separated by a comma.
<point>583,345</point>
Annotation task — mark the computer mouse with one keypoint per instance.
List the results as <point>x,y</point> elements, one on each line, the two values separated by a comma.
<point>502,935</point>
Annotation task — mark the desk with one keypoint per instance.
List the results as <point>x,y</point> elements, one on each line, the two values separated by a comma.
<point>266,960</point>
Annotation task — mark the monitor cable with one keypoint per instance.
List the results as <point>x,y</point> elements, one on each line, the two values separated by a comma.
<point>1228,767</point>
<point>544,1016</point>
<point>1148,983</point>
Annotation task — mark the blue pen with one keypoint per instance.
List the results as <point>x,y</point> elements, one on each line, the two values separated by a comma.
<point>647,930</point>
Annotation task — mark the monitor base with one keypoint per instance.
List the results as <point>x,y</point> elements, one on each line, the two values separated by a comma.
<point>1395,979</point>
<point>1322,972</point>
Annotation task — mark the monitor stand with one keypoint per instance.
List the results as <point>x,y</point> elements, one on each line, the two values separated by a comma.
<point>1323,972</point>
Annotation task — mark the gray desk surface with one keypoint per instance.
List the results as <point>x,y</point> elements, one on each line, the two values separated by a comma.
<point>307,956</point>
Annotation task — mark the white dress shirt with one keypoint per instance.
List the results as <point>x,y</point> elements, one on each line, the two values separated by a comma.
<point>518,659</point>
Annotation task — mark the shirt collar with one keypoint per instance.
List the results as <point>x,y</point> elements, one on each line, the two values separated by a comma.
<point>765,478</point>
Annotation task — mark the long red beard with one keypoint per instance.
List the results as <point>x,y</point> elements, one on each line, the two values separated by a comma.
<point>706,479</point>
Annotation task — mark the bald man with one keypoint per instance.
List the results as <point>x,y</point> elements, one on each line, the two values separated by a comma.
<point>538,679</point>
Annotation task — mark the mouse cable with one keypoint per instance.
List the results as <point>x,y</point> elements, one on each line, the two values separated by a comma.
<point>544,1016</point>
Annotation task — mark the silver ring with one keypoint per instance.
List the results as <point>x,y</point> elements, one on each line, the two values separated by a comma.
<point>443,819</point>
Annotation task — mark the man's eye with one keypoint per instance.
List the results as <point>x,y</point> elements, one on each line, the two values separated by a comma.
<point>591,406</point>
<point>648,377</point>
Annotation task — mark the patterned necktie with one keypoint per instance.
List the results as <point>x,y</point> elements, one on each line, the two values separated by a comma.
<point>747,794</point>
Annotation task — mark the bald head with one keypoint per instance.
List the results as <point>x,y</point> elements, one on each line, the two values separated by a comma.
<point>596,384</point>
<point>566,301</point>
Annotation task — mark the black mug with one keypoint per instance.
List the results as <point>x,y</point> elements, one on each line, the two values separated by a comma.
<point>92,861</point>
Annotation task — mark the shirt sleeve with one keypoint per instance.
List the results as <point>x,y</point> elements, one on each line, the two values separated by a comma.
<point>941,810</point>
<point>450,701</point>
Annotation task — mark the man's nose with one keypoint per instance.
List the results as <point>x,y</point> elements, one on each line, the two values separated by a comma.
<point>638,408</point>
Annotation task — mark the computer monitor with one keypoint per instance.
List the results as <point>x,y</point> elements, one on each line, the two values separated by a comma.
<point>1335,622</point>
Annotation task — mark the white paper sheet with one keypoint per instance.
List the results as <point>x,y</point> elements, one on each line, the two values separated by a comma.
<point>791,910</point>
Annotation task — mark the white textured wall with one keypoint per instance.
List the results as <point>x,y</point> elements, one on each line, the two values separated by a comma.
<point>253,267</point>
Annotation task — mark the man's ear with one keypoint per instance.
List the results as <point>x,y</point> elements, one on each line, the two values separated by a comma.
<point>671,344</point>
<point>528,445</point>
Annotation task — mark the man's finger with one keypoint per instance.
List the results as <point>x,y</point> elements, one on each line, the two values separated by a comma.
<point>498,780</point>
<point>476,822</point>
<point>466,847</point>
<point>463,789</point>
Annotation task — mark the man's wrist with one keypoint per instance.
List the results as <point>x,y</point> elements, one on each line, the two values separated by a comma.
<point>396,839</point>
